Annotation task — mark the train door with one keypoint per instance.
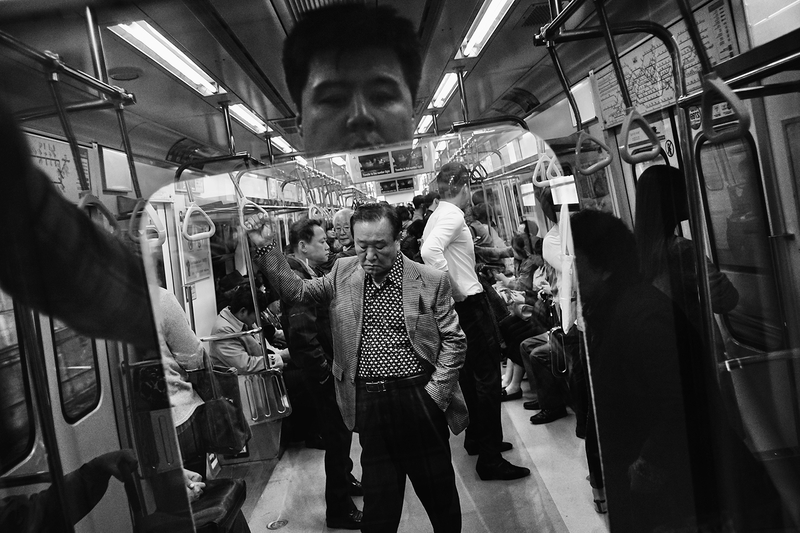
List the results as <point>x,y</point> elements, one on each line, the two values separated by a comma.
<point>83,413</point>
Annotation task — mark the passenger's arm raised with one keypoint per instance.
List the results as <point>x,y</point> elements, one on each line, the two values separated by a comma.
<point>271,262</point>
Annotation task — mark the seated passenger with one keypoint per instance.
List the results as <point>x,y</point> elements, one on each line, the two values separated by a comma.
<point>243,353</point>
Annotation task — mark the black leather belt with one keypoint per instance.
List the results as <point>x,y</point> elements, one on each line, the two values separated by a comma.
<point>387,384</point>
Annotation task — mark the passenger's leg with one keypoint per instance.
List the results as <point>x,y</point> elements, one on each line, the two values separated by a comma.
<point>480,377</point>
<point>382,478</point>
<point>428,461</point>
<point>337,439</point>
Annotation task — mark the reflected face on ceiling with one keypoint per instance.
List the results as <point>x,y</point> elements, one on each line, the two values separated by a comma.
<point>355,99</point>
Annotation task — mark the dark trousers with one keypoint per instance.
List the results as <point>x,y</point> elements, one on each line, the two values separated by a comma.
<point>337,439</point>
<point>551,391</point>
<point>404,433</point>
<point>480,376</point>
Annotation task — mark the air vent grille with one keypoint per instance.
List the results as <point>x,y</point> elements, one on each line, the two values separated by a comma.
<point>299,7</point>
<point>287,126</point>
<point>536,16</point>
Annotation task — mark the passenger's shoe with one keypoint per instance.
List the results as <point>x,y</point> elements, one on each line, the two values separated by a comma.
<point>472,449</point>
<point>505,397</point>
<point>351,520</point>
<point>501,470</point>
<point>355,486</point>
<point>532,405</point>
<point>580,431</point>
<point>548,415</point>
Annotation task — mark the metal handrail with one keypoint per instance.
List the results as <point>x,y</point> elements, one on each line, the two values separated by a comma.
<point>228,336</point>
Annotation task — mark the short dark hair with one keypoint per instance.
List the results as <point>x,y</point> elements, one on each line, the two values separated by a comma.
<point>418,201</point>
<point>402,213</point>
<point>302,230</point>
<point>480,214</point>
<point>430,197</point>
<point>243,299</point>
<point>346,27</point>
<point>375,212</point>
<point>607,244</point>
<point>451,179</point>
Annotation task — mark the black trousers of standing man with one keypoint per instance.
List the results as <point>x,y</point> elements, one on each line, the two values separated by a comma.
<point>480,377</point>
<point>337,439</point>
<point>404,433</point>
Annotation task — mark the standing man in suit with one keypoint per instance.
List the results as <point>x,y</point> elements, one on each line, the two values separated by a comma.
<point>448,246</point>
<point>397,352</point>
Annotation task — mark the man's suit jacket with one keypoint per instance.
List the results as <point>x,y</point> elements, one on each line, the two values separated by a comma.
<point>431,324</point>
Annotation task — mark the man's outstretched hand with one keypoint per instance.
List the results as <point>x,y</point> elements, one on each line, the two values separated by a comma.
<point>259,229</point>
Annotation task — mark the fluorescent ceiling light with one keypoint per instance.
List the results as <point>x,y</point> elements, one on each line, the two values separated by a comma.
<point>482,28</point>
<point>339,161</point>
<point>300,159</point>
<point>445,90</point>
<point>281,144</point>
<point>151,43</point>
<point>425,124</point>
<point>249,119</point>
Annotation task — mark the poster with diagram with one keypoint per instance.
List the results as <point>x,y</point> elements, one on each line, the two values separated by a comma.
<point>648,68</point>
<point>54,157</point>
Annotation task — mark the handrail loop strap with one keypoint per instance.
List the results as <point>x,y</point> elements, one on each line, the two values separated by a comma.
<point>632,118</point>
<point>144,206</point>
<point>91,200</point>
<point>194,208</point>
<point>713,84</point>
<point>599,165</point>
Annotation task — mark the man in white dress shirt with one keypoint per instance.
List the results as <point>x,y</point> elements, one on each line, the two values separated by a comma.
<point>447,245</point>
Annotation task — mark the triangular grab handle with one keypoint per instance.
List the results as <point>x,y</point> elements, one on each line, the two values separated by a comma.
<point>194,208</point>
<point>144,206</point>
<point>599,165</point>
<point>712,84</point>
<point>541,169</point>
<point>633,118</point>
<point>315,212</point>
<point>90,200</point>
<point>243,203</point>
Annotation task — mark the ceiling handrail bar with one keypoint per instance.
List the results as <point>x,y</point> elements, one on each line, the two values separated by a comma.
<point>714,85</point>
<point>53,63</point>
<point>549,29</point>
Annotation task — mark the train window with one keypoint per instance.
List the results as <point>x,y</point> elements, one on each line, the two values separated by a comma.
<point>78,376</point>
<point>16,410</point>
<point>739,234</point>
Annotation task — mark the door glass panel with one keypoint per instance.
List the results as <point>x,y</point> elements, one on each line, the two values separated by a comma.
<point>16,417</point>
<point>737,220</point>
<point>78,381</point>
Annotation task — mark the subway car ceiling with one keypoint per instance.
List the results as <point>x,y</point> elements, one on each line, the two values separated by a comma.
<point>239,44</point>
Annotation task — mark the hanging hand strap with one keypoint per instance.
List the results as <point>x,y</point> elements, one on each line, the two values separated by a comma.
<point>714,85</point>
<point>633,118</point>
<point>194,208</point>
<point>91,200</point>
<point>599,165</point>
<point>146,207</point>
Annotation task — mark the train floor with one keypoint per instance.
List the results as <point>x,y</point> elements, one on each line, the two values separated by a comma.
<point>556,497</point>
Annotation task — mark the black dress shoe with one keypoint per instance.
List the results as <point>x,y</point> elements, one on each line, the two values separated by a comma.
<point>501,470</point>
<point>504,396</point>
<point>351,520</point>
<point>472,449</point>
<point>532,405</point>
<point>548,415</point>
<point>355,486</point>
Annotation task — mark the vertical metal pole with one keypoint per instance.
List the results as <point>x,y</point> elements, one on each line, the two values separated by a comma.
<point>126,142</point>
<point>73,143</point>
<point>463,94</point>
<point>187,293</point>
<point>270,148</point>
<point>612,51</point>
<point>226,113</point>
<point>694,34</point>
<point>96,45</point>
<point>562,76</point>
<point>435,116</point>
<point>46,410</point>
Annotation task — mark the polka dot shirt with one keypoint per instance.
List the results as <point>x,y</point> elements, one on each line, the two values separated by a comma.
<point>385,348</point>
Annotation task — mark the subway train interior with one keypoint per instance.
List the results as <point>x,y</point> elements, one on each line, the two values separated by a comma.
<point>169,122</point>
